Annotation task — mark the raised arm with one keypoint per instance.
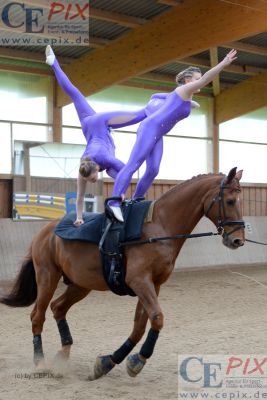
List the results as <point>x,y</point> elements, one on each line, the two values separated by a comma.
<point>81,186</point>
<point>188,89</point>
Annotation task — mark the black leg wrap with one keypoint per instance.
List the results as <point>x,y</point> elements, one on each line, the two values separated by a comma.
<point>119,355</point>
<point>148,347</point>
<point>64,332</point>
<point>37,348</point>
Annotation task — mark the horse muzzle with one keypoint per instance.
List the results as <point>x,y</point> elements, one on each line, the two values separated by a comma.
<point>232,242</point>
<point>234,236</point>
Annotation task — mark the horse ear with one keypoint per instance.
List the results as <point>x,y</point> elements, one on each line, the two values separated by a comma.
<point>239,175</point>
<point>231,176</point>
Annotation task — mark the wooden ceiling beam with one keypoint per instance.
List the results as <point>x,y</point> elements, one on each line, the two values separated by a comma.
<point>145,85</point>
<point>233,68</point>
<point>242,98</point>
<point>117,18</point>
<point>214,61</point>
<point>178,33</point>
<point>169,79</point>
<point>171,3</point>
<point>157,88</point>
<point>25,70</point>
<point>98,42</point>
<point>29,56</point>
<point>156,77</point>
<point>246,48</point>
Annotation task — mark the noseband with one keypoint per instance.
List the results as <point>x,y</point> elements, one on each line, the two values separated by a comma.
<point>222,220</point>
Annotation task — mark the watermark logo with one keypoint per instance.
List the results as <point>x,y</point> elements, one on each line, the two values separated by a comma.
<point>46,22</point>
<point>37,375</point>
<point>222,376</point>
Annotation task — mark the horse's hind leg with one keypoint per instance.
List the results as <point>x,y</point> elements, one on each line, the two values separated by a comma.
<point>60,307</point>
<point>47,280</point>
<point>104,364</point>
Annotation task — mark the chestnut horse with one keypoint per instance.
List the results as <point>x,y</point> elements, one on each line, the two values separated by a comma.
<point>148,265</point>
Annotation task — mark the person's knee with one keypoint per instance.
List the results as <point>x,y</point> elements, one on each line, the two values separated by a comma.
<point>152,171</point>
<point>133,167</point>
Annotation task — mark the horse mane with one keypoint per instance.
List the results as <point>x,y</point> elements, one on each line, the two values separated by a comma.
<point>187,182</point>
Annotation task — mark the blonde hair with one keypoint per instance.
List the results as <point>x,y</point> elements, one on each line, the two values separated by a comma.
<point>186,73</point>
<point>87,167</point>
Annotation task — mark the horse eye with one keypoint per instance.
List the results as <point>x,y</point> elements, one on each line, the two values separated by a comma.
<point>230,202</point>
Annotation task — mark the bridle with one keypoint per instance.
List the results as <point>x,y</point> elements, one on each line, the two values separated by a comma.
<point>222,219</point>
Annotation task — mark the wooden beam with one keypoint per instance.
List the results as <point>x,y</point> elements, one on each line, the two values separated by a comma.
<point>178,33</point>
<point>246,48</point>
<point>57,116</point>
<point>214,61</point>
<point>97,42</point>
<point>27,169</point>
<point>25,70</point>
<point>117,18</point>
<point>165,78</point>
<point>247,70</point>
<point>215,148</point>
<point>156,77</point>
<point>29,56</point>
<point>145,85</point>
<point>241,99</point>
<point>171,3</point>
<point>213,161</point>
<point>156,88</point>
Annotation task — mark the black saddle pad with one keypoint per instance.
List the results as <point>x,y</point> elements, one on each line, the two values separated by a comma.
<point>92,229</point>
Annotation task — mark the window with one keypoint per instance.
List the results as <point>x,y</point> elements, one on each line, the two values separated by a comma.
<point>243,143</point>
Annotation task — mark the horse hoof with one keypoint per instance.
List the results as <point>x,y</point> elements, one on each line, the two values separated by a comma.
<point>63,354</point>
<point>60,357</point>
<point>40,366</point>
<point>135,364</point>
<point>60,363</point>
<point>39,362</point>
<point>103,365</point>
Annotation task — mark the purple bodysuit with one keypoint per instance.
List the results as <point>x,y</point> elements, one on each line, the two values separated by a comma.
<point>149,144</point>
<point>95,126</point>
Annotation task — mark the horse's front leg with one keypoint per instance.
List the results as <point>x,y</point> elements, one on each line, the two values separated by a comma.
<point>104,364</point>
<point>147,294</point>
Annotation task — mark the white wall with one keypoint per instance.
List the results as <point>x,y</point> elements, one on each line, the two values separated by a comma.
<point>207,252</point>
<point>210,252</point>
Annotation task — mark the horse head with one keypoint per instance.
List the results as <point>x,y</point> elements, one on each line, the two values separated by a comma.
<point>223,207</point>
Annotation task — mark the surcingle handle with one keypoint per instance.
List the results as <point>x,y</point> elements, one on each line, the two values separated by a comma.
<point>102,240</point>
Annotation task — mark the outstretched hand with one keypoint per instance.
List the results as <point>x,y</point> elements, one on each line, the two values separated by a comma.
<point>230,57</point>
<point>78,222</point>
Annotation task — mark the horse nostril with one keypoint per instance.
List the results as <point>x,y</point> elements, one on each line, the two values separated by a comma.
<point>238,242</point>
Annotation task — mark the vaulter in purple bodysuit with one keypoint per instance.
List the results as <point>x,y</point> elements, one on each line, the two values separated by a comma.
<point>149,142</point>
<point>100,149</point>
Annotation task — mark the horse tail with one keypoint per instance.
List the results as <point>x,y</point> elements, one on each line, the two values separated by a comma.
<point>24,291</point>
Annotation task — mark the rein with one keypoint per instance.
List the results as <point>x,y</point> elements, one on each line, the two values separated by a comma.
<point>254,241</point>
<point>181,236</point>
